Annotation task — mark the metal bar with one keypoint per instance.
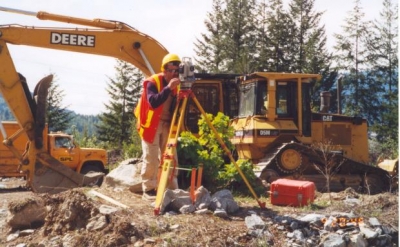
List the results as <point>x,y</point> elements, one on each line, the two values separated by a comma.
<point>18,11</point>
<point>146,61</point>
<point>192,185</point>
<point>199,176</point>
<point>3,131</point>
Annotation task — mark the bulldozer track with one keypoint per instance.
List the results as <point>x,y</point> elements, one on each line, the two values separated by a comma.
<point>345,172</point>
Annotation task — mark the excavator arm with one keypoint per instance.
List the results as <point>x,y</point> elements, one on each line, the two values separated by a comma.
<point>107,38</point>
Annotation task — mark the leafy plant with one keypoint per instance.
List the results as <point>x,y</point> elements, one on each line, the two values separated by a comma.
<point>230,178</point>
<point>205,149</point>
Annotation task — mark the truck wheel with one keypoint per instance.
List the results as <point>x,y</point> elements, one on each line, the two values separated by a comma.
<point>89,168</point>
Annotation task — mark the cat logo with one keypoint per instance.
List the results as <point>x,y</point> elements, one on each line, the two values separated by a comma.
<point>66,158</point>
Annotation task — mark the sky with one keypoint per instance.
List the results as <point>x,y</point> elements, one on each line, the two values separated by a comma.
<point>176,24</point>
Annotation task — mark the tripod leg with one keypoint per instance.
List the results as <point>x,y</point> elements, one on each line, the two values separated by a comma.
<point>169,153</point>
<point>221,142</point>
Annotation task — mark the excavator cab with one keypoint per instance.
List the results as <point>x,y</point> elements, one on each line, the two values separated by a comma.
<point>215,93</point>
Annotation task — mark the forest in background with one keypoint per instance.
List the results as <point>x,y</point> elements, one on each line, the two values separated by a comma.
<point>244,36</point>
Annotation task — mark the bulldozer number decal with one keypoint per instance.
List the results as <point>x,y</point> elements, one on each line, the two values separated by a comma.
<point>66,158</point>
<point>72,39</point>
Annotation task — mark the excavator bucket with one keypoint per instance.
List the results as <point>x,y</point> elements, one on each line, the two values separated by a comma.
<point>47,174</point>
<point>51,176</point>
<point>392,167</point>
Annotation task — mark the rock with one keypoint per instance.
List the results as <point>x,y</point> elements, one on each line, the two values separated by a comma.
<point>221,213</point>
<point>96,223</point>
<point>181,201</point>
<point>357,240</point>
<point>334,240</point>
<point>13,236</point>
<point>294,225</point>
<point>351,201</point>
<point>223,200</point>
<point>254,222</point>
<point>26,213</point>
<point>298,235</point>
<point>202,198</point>
<point>187,209</point>
<point>330,224</point>
<point>368,233</point>
<point>26,232</point>
<point>171,195</point>
<point>374,222</point>
<point>127,174</point>
<point>106,210</point>
<point>203,211</point>
<point>312,218</point>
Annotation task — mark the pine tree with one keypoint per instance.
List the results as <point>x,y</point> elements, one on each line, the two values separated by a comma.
<point>115,124</point>
<point>309,41</point>
<point>261,22</point>
<point>276,43</point>
<point>350,57</point>
<point>382,45</point>
<point>208,48</point>
<point>309,47</point>
<point>239,38</point>
<point>58,117</point>
<point>230,45</point>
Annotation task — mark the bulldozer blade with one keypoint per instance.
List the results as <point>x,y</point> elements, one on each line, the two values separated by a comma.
<point>51,176</point>
<point>40,95</point>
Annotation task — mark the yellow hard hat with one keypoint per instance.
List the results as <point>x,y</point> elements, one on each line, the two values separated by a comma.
<point>168,59</point>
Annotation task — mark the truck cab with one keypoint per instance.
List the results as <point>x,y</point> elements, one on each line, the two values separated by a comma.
<point>63,148</point>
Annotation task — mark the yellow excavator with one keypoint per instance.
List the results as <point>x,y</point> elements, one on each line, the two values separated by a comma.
<point>108,38</point>
<point>216,92</point>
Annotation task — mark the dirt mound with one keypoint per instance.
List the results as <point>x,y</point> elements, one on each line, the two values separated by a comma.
<point>78,218</point>
<point>73,212</point>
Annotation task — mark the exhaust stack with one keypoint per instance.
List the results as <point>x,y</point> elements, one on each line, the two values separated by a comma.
<point>325,101</point>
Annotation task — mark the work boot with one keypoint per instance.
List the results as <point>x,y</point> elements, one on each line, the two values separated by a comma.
<point>149,195</point>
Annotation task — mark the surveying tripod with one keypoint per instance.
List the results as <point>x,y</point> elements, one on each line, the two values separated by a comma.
<point>186,75</point>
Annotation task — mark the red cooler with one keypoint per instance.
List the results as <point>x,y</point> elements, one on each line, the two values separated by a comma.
<point>287,192</point>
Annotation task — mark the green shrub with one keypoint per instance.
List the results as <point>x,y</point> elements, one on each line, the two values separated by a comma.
<point>206,150</point>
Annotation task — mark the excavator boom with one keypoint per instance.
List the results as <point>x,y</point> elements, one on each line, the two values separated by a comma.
<point>108,38</point>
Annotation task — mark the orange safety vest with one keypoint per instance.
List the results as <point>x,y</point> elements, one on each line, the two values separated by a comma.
<point>147,117</point>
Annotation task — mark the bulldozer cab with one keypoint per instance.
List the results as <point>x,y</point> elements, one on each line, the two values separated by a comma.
<point>273,107</point>
<point>256,99</point>
<point>277,96</point>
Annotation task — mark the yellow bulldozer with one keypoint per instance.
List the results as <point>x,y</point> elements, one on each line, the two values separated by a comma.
<point>277,130</point>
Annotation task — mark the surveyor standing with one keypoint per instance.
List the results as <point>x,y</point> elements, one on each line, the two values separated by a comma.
<point>154,113</point>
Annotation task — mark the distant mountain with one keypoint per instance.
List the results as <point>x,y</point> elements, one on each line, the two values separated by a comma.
<point>81,122</point>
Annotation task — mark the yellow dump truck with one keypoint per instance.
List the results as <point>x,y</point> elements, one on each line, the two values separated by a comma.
<point>60,146</point>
